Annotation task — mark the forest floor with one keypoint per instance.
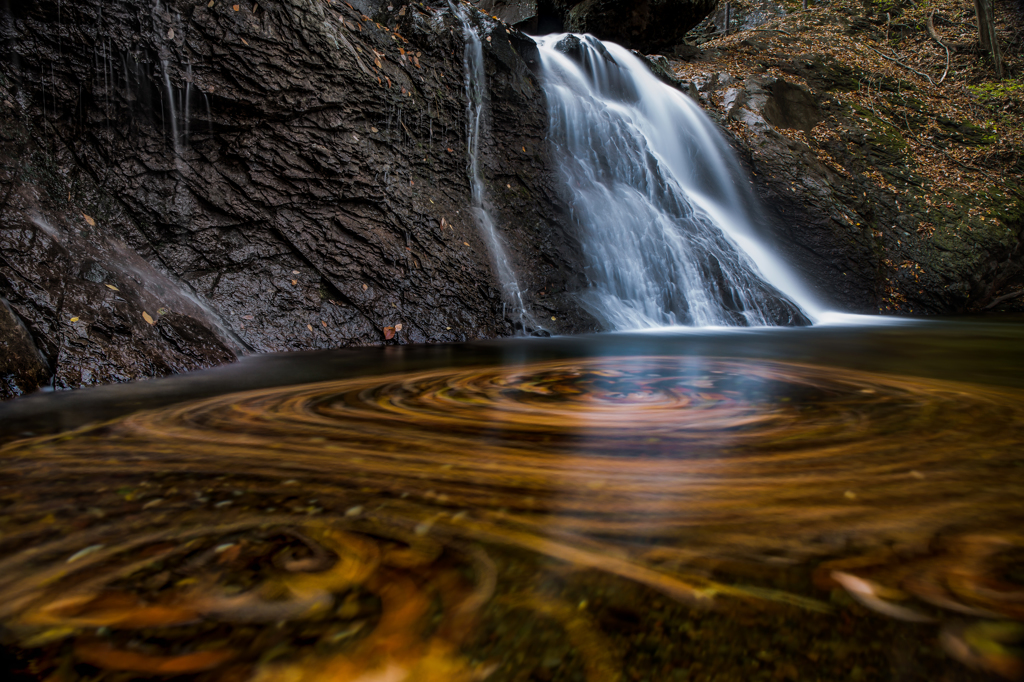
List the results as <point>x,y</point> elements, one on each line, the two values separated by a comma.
<point>930,94</point>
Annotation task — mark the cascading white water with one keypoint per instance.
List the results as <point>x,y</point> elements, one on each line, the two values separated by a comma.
<point>666,215</point>
<point>476,96</point>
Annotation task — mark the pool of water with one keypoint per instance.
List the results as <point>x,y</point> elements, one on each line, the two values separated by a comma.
<point>836,502</point>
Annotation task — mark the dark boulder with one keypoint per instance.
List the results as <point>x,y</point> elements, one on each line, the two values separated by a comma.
<point>648,25</point>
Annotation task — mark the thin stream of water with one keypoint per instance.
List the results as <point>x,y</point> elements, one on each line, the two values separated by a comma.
<point>476,104</point>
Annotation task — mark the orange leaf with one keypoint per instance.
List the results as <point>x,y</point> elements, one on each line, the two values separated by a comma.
<point>103,655</point>
<point>116,609</point>
<point>148,318</point>
<point>309,327</point>
<point>92,223</point>
<point>389,333</point>
<point>235,7</point>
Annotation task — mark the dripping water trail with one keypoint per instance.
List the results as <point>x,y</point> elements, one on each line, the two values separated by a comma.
<point>476,96</point>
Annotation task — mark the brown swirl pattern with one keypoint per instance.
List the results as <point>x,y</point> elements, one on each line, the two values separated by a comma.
<point>286,504</point>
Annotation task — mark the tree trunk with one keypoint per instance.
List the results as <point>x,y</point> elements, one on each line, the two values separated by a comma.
<point>987,33</point>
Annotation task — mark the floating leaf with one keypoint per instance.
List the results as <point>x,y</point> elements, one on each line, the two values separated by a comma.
<point>309,327</point>
<point>373,130</point>
<point>112,287</point>
<point>323,323</point>
<point>102,655</point>
<point>553,318</point>
<point>170,34</point>
<point>74,319</point>
<point>398,327</point>
<point>449,150</point>
<point>84,553</point>
<point>211,3</point>
<point>148,318</point>
<point>524,148</point>
<point>295,272</point>
<point>294,282</point>
<point>867,593</point>
<point>389,333</point>
<point>162,311</point>
<point>235,7</point>
<point>376,62</point>
<point>92,223</point>
<point>247,317</point>
<point>365,287</point>
<point>244,41</point>
<point>466,243</point>
<point>116,609</point>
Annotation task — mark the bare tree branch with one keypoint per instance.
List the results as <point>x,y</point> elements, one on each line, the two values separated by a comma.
<point>905,66</point>
<point>935,36</point>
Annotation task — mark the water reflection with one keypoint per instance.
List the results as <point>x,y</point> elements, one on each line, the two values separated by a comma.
<point>608,518</point>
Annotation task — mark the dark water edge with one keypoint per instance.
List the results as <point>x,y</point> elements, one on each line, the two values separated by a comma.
<point>830,503</point>
<point>976,350</point>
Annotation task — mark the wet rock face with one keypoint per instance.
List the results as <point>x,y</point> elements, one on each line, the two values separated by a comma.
<point>22,368</point>
<point>284,176</point>
<point>81,307</point>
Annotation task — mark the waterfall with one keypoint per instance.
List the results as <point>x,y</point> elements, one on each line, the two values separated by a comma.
<point>668,222</point>
<point>476,98</point>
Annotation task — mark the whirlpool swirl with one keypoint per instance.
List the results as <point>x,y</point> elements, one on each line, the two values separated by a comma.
<point>648,468</point>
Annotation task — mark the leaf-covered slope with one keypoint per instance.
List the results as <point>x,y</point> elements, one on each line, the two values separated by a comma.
<point>878,173</point>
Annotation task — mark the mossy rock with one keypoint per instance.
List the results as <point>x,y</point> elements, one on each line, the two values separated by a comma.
<point>965,133</point>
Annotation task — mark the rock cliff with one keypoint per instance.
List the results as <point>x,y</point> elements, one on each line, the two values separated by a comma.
<point>189,181</point>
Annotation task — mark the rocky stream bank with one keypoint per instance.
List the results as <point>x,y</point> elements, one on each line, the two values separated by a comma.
<point>193,181</point>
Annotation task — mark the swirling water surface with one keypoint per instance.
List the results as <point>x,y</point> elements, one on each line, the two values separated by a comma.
<point>613,509</point>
